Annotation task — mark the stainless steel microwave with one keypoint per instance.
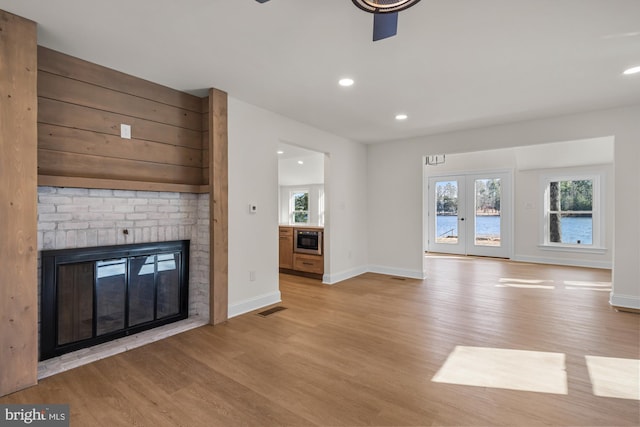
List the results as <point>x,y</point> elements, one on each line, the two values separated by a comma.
<point>308,242</point>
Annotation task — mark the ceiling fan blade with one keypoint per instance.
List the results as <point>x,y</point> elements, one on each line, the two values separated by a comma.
<point>262,1</point>
<point>384,25</point>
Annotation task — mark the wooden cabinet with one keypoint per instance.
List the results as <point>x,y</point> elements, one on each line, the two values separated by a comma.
<point>308,263</point>
<point>286,247</point>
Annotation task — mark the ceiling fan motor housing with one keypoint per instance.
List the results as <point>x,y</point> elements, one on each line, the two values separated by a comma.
<point>384,6</point>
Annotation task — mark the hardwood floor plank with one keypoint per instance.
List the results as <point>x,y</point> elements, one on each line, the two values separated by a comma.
<point>366,351</point>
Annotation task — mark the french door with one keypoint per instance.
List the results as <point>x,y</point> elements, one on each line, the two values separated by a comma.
<point>470,214</point>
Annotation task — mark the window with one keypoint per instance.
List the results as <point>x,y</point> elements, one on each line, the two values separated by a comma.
<point>299,206</point>
<point>572,212</point>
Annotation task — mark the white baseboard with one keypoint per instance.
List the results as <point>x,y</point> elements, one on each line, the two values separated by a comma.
<point>560,261</point>
<point>627,301</point>
<point>254,303</point>
<point>332,279</point>
<point>392,271</point>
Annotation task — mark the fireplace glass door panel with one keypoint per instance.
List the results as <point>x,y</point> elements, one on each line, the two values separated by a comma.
<point>141,290</point>
<point>168,286</point>
<point>75,302</point>
<point>110,295</point>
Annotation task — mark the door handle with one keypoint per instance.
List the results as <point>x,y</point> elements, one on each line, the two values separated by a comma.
<point>461,219</point>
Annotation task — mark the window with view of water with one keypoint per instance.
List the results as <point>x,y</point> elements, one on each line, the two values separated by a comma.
<point>299,207</point>
<point>571,211</point>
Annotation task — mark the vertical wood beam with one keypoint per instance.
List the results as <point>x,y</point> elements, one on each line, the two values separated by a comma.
<point>218,207</point>
<point>18,204</point>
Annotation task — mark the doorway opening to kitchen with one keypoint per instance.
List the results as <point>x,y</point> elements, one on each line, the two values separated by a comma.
<point>302,211</point>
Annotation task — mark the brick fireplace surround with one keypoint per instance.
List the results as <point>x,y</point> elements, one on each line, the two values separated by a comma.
<point>80,217</point>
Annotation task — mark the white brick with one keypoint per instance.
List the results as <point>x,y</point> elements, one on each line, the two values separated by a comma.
<point>71,239</point>
<point>102,224</point>
<point>101,208</point>
<point>106,237</point>
<point>89,201</point>
<point>136,216</point>
<point>92,238</point>
<point>146,208</point>
<point>54,217</point>
<point>178,216</point>
<point>124,193</point>
<point>138,201</point>
<point>168,209</point>
<point>158,201</point>
<point>146,223</point>
<point>47,190</point>
<point>54,200</point>
<point>61,239</point>
<point>73,191</point>
<point>168,195</point>
<point>46,226</point>
<point>73,225</point>
<point>100,193</point>
<point>46,209</point>
<point>123,208</point>
<point>72,208</point>
<point>81,238</point>
<point>49,240</point>
<point>147,194</point>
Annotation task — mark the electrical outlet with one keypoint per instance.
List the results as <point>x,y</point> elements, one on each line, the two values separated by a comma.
<point>253,208</point>
<point>125,131</point>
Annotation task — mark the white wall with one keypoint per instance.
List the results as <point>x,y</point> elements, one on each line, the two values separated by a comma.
<point>254,134</point>
<point>395,187</point>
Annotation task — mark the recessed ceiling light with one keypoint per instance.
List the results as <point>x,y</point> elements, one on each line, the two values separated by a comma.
<point>300,162</point>
<point>632,70</point>
<point>346,82</point>
<point>401,117</point>
<point>280,152</point>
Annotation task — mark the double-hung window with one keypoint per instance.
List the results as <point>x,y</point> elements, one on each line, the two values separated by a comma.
<point>299,206</point>
<point>572,212</point>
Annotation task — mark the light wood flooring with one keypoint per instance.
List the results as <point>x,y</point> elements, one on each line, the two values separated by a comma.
<point>365,352</point>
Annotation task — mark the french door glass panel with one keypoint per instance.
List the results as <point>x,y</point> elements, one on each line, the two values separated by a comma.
<point>446,212</point>
<point>487,220</point>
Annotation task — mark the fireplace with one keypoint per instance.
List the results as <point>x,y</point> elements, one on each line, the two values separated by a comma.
<point>93,295</point>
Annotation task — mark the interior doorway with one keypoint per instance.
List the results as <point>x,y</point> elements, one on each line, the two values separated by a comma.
<point>470,214</point>
<point>302,211</point>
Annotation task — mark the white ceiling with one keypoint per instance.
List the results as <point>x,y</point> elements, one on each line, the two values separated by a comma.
<point>454,64</point>
<point>290,172</point>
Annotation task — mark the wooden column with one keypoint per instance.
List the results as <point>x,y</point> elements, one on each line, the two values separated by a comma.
<point>218,207</point>
<point>18,204</point>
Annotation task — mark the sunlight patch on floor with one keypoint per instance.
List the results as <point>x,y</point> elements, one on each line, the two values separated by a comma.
<point>535,371</point>
<point>614,377</point>
<point>588,286</point>
<point>525,283</point>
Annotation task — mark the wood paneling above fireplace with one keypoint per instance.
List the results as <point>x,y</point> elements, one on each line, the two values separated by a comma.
<point>81,107</point>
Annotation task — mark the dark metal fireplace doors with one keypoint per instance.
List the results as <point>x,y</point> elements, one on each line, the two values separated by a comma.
<point>93,295</point>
